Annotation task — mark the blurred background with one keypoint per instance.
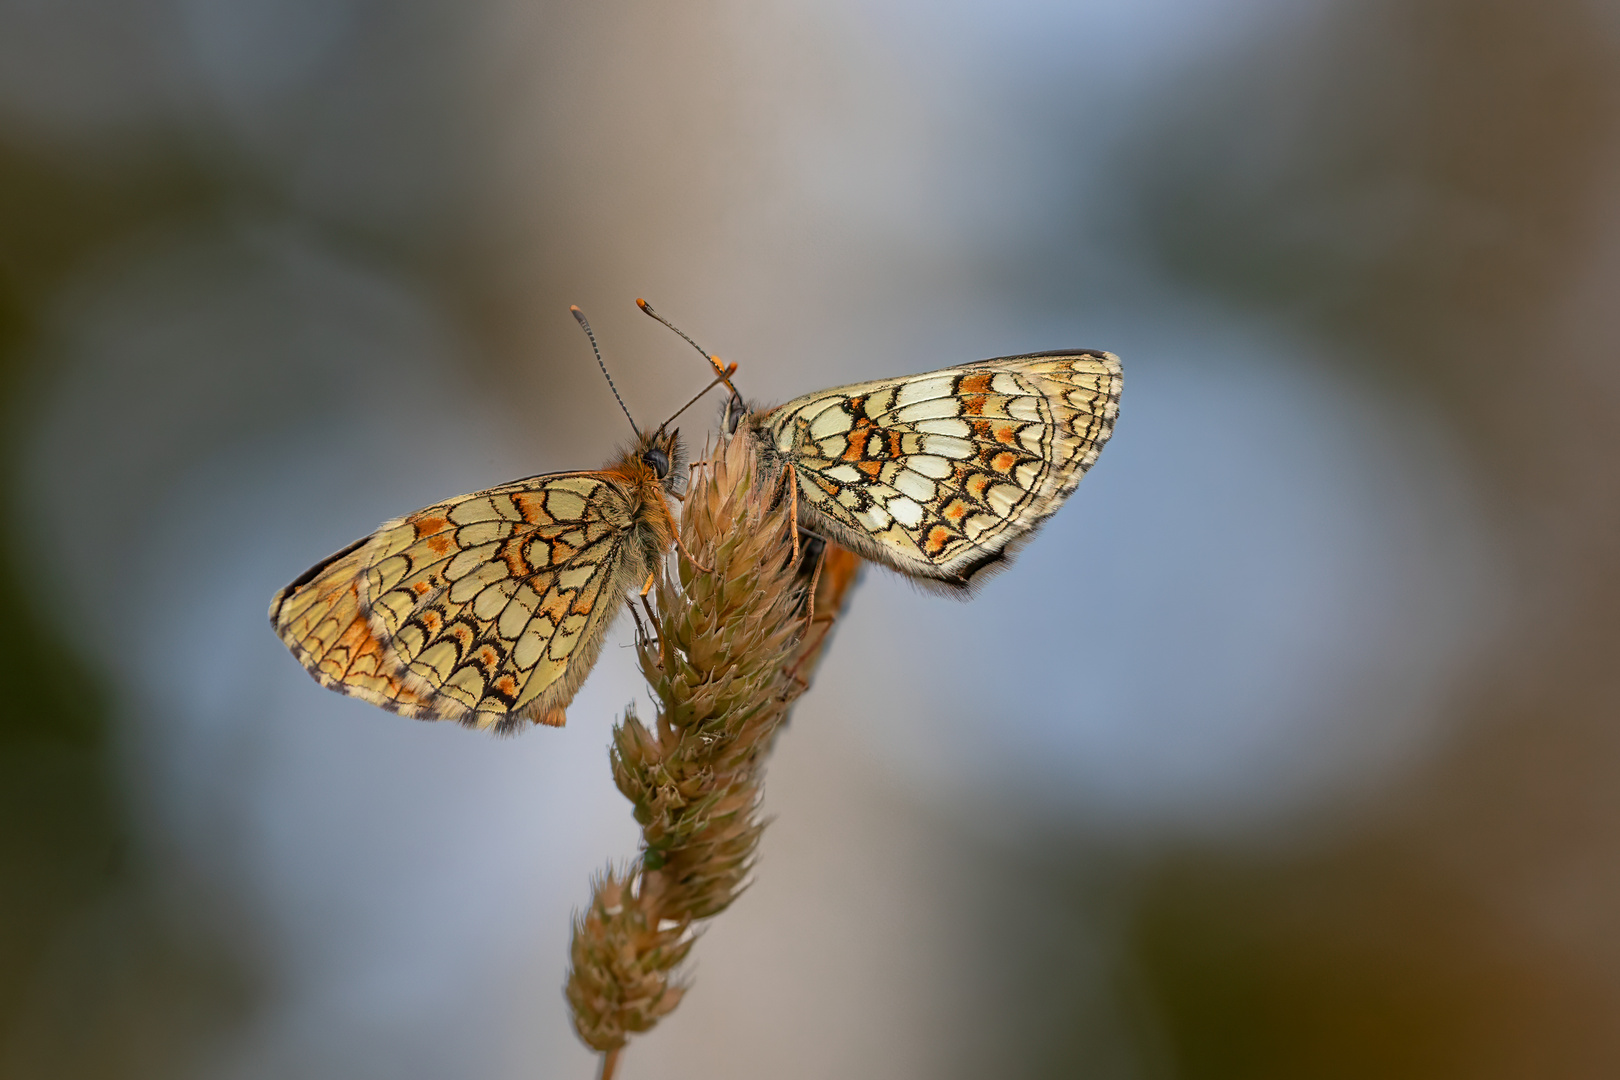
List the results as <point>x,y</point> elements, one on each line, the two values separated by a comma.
<point>1291,747</point>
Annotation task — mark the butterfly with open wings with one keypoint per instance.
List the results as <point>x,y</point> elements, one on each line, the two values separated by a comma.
<point>490,609</point>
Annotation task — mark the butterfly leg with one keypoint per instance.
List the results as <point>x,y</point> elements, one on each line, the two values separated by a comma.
<point>793,508</point>
<point>815,579</point>
<point>689,558</point>
<point>641,629</point>
<point>659,640</point>
<point>810,621</point>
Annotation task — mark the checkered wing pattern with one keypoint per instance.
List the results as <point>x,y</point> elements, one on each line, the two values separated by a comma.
<point>488,609</point>
<point>942,476</point>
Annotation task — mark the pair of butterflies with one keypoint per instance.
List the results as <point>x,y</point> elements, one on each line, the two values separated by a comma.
<point>490,609</point>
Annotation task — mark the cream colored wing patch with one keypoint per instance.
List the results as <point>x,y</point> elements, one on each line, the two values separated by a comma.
<point>941,475</point>
<point>487,609</point>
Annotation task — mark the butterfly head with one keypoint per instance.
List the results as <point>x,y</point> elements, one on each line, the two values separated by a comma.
<point>661,454</point>
<point>655,459</point>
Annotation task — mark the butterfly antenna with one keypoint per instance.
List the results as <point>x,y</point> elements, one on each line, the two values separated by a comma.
<point>722,372</point>
<point>717,381</point>
<point>580,317</point>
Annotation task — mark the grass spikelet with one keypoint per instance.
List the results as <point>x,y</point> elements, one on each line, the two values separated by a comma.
<point>729,652</point>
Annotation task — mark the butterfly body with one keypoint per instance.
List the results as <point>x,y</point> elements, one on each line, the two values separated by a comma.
<point>942,476</point>
<point>488,609</point>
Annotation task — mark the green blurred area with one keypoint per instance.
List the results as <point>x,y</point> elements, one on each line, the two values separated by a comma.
<point>97,979</point>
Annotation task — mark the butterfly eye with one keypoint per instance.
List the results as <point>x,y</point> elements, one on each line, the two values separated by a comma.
<point>658,461</point>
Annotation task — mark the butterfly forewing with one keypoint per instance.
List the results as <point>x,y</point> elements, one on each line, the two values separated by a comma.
<point>487,609</point>
<point>940,475</point>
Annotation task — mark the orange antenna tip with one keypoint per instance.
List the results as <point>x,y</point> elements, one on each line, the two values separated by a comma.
<point>724,372</point>
<point>720,370</point>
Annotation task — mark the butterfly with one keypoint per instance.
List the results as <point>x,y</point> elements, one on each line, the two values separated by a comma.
<point>491,608</point>
<point>488,609</point>
<point>941,476</point>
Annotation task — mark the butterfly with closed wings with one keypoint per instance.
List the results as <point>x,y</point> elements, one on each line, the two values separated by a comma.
<point>941,476</point>
<point>488,609</point>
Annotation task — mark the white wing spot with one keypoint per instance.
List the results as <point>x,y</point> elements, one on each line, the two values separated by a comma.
<point>918,487</point>
<point>873,518</point>
<point>946,446</point>
<point>830,422</point>
<point>961,429</point>
<point>938,468</point>
<point>922,389</point>
<point>905,511</point>
<point>933,409</point>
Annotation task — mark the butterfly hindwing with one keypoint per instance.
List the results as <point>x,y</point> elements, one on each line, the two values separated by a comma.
<point>322,619</point>
<point>942,475</point>
<point>487,609</point>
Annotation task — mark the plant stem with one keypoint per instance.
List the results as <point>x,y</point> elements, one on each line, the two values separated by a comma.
<point>733,646</point>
